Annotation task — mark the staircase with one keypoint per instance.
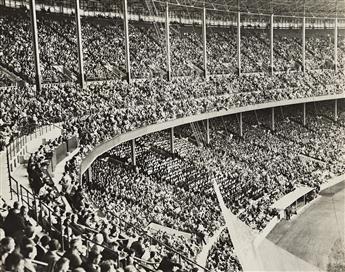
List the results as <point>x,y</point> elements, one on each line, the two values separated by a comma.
<point>151,7</point>
<point>198,133</point>
<point>66,72</point>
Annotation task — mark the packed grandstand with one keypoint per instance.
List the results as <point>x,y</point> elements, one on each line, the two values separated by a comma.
<point>100,220</point>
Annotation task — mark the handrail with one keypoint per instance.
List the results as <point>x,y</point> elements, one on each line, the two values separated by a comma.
<point>39,262</point>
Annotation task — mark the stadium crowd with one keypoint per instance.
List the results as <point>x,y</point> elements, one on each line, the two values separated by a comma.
<point>104,52</point>
<point>173,190</point>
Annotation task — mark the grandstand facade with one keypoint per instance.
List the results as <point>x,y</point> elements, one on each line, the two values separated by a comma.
<point>171,135</point>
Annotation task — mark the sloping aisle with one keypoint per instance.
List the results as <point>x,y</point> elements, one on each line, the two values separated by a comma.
<point>20,170</point>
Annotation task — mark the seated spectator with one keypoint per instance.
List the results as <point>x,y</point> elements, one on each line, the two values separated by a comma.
<point>138,248</point>
<point>7,246</point>
<point>29,254</point>
<point>14,263</point>
<point>92,262</point>
<point>73,254</point>
<point>52,256</point>
<point>12,220</point>
<point>62,265</point>
<point>42,247</point>
<point>168,264</point>
<point>108,266</point>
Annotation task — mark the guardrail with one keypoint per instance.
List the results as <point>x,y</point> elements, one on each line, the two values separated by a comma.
<point>17,147</point>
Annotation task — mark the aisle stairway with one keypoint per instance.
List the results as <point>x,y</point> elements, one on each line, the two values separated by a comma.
<point>18,162</point>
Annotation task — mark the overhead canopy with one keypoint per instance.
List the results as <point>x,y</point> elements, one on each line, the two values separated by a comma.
<point>316,8</point>
<point>291,197</point>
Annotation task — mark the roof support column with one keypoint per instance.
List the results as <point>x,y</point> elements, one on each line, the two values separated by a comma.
<point>271,44</point>
<point>304,114</point>
<point>272,120</point>
<point>303,45</point>
<point>89,171</point>
<point>336,110</point>
<point>125,23</point>
<point>207,131</point>
<point>80,46</point>
<point>167,41</point>
<point>336,44</point>
<point>204,41</point>
<point>172,147</point>
<point>38,76</point>
<point>239,42</point>
<point>133,153</point>
<point>241,125</point>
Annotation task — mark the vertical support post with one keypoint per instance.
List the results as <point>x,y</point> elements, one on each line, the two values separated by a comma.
<point>204,41</point>
<point>8,170</point>
<point>62,234</point>
<point>38,76</point>
<point>241,125</point>
<point>239,42</point>
<point>134,162</point>
<point>271,44</point>
<point>80,46</point>
<point>90,174</point>
<point>336,44</point>
<point>167,40</point>
<point>272,120</point>
<point>18,192</point>
<point>207,131</point>
<point>125,23</point>
<point>35,207</point>
<point>336,110</point>
<point>172,148</point>
<point>304,114</point>
<point>303,45</point>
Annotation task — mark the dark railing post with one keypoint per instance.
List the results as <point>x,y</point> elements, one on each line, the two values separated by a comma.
<point>17,187</point>
<point>27,198</point>
<point>50,218</point>
<point>41,212</point>
<point>9,170</point>
<point>21,194</point>
<point>35,209</point>
<point>62,237</point>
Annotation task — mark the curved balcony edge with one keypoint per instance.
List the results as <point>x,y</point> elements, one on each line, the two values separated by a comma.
<point>119,139</point>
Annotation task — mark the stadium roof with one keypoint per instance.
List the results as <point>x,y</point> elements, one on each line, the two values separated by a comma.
<point>312,8</point>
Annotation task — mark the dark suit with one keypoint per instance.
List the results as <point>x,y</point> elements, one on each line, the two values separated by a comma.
<point>138,249</point>
<point>74,258</point>
<point>167,265</point>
